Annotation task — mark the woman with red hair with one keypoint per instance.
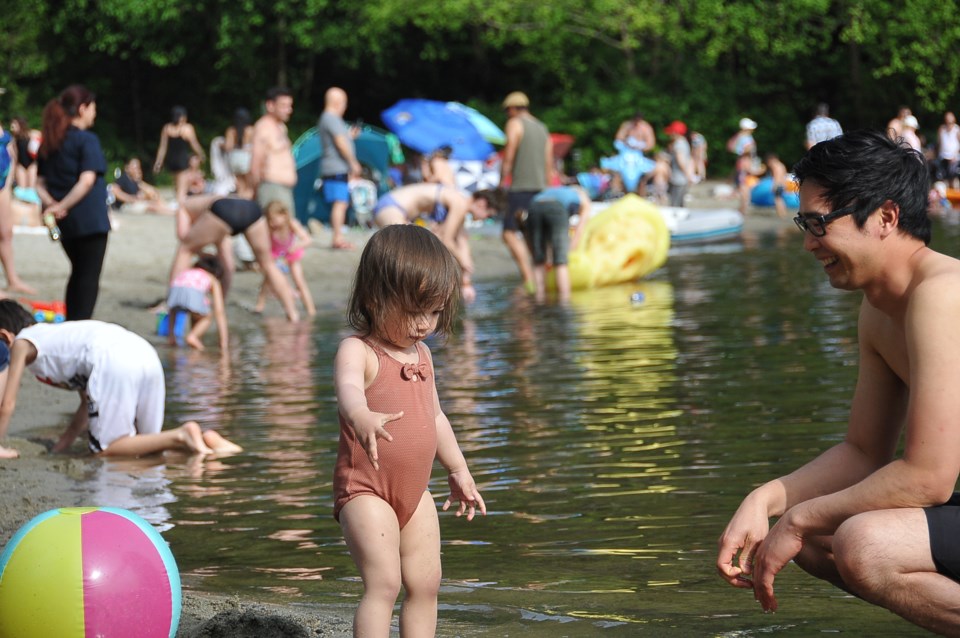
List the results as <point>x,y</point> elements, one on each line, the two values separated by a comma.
<point>73,190</point>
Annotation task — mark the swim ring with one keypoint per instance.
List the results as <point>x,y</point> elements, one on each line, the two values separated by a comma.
<point>626,241</point>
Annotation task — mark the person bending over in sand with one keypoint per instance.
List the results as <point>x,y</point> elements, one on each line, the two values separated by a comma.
<point>119,378</point>
<point>212,219</point>
<point>446,209</point>
<point>392,428</point>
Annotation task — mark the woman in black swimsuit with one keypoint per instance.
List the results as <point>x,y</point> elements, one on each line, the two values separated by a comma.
<point>213,219</point>
<point>177,139</point>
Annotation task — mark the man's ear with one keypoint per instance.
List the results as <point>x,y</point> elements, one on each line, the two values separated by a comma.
<point>7,337</point>
<point>889,217</point>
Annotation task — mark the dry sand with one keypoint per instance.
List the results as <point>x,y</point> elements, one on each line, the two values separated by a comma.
<point>137,262</point>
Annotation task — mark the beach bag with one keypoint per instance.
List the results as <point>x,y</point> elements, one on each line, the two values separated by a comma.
<point>239,161</point>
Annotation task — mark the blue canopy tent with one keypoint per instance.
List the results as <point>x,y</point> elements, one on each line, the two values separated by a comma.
<point>376,150</point>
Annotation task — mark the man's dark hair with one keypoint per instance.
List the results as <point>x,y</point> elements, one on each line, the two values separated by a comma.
<point>866,168</point>
<point>278,91</point>
<point>14,317</point>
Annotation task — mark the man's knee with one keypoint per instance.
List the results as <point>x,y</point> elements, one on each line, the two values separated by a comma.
<point>858,553</point>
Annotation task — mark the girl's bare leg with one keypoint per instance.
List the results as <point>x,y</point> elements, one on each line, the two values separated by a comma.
<point>372,533</point>
<point>14,283</point>
<point>296,273</point>
<point>420,567</point>
<point>201,323</point>
<point>258,235</point>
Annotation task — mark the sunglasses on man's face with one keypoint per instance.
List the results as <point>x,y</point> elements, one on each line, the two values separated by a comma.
<point>816,224</point>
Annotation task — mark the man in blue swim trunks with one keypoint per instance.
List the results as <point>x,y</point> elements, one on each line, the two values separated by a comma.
<point>338,163</point>
<point>883,527</point>
<point>445,209</point>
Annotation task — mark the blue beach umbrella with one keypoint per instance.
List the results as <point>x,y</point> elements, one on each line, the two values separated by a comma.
<point>426,125</point>
<point>490,131</point>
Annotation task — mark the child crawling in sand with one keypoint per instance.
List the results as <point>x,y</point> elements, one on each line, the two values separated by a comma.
<point>118,376</point>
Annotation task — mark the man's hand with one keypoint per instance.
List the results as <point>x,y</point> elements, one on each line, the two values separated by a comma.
<point>778,548</point>
<point>739,542</point>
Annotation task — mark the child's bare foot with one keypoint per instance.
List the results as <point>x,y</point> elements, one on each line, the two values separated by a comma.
<point>192,438</point>
<point>8,453</point>
<point>220,445</point>
<point>194,342</point>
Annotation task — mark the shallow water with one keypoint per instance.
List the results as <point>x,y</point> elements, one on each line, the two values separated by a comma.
<point>612,440</point>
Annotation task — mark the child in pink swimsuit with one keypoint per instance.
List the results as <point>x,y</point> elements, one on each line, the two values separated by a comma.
<point>392,428</point>
<point>288,238</point>
<point>198,291</point>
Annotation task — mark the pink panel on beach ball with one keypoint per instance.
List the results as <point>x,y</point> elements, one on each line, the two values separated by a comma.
<point>125,581</point>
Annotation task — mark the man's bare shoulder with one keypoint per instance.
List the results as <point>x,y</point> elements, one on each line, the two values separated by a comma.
<point>936,287</point>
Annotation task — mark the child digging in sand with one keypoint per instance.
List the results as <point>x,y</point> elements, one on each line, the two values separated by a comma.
<point>288,238</point>
<point>392,427</point>
<point>118,376</point>
<point>198,291</point>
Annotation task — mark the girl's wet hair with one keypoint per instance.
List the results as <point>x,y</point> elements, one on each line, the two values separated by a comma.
<point>403,268</point>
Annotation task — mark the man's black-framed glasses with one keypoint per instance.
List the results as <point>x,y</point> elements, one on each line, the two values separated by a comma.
<point>816,225</point>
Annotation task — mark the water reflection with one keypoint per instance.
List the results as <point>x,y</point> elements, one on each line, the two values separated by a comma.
<point>612,441</point>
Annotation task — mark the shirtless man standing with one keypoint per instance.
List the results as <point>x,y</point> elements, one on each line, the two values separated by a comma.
<point>273,171</point>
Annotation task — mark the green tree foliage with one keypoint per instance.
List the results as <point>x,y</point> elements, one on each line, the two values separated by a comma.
<point>586,64</point>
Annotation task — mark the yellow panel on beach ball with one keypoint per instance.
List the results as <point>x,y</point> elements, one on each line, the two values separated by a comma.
<point>627,241</point>
<point>41,591</point>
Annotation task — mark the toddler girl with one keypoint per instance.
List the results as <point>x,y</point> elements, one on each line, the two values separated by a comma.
<point>192,291</point>
<point>392,427</point>
<point>287,241</point>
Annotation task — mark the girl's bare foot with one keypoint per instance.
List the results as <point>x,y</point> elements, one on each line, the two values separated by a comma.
<point>219,444</point>
<point>192,438</point>
<point>194,342</point>
<point>8,453</point>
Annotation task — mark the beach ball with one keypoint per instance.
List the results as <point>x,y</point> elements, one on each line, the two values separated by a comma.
<point>88,571</point>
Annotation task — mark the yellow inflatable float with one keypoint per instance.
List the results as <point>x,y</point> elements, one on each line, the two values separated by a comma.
<point>622,243</point>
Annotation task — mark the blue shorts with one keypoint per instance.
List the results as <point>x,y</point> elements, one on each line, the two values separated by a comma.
<point>335,190</point>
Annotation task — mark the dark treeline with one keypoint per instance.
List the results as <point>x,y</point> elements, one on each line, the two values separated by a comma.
<point>586,64</point>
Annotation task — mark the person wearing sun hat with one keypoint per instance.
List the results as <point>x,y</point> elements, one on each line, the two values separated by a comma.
<point>909,134</point>
<point>744,147</point>
<point>681,166</point>
<point>528,167</point>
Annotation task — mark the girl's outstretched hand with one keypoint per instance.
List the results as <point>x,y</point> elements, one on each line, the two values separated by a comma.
<point>369,428</point>
<point>464,489</point>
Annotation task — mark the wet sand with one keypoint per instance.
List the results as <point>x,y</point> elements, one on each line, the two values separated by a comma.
<point>137,263</point>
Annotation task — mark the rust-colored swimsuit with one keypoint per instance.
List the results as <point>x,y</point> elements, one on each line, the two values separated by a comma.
<point>407,461</point>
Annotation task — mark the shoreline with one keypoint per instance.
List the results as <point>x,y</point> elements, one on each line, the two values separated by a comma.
<point>138,259</point>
